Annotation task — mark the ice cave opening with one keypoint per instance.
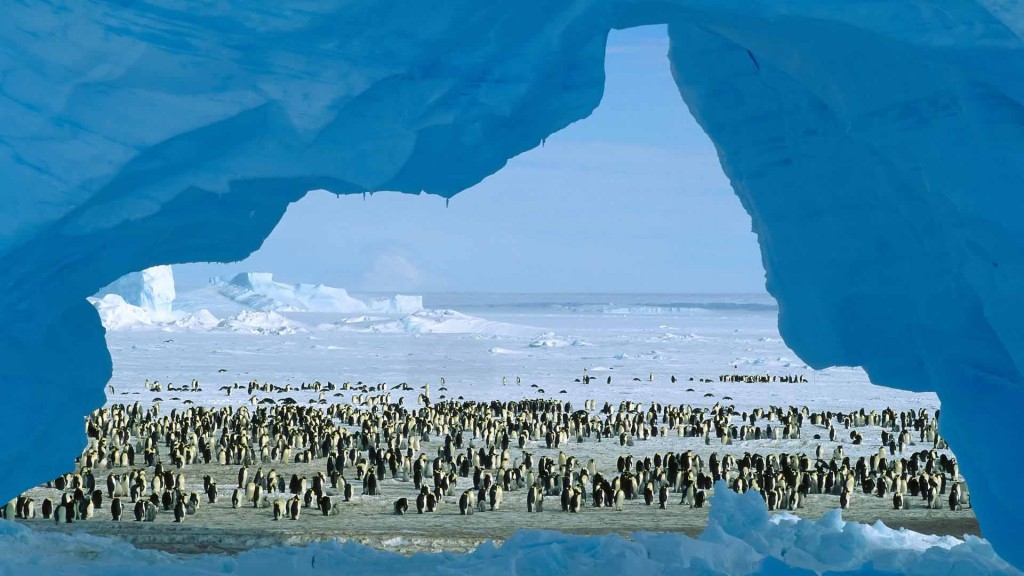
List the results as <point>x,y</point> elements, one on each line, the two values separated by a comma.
<point>870,144</point>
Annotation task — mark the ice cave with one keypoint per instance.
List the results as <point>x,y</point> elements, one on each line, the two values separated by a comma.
<point>873,145</point>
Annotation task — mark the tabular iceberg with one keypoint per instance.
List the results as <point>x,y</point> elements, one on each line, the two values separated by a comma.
<point>151,289</point>
<point>876,146</point>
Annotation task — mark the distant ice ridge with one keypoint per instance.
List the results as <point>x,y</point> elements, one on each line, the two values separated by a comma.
<point>741,539</point>
<point>151,290</point>
<point>250,302</point>
<point>259,291</point>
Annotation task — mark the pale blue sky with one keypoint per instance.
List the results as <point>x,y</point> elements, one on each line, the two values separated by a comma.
<point>631,199</point>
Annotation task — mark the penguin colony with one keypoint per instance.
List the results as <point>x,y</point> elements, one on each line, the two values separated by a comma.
<point>470,457</point>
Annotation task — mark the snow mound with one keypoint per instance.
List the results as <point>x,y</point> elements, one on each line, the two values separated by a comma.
<point>257,322</point>
<point>741,539</point>
<point>200,320</point>
<point>504,351</point>
<point>151,289</point>
<point>116,314</point>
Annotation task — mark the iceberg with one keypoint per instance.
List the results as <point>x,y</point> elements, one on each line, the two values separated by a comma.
<point>259,291</point>
<point>875,145</point>
<point>152,290</point>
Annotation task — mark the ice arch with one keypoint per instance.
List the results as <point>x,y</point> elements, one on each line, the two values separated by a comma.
<point>876,146</point>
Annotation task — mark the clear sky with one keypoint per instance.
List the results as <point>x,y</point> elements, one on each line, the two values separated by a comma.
<point>631,199</point>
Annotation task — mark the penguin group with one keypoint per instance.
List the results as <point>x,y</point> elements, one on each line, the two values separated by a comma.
<point>477,456</point>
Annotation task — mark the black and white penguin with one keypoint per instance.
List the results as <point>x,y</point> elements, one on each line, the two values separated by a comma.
<point>897,501</point>
<point>954,497</point>
<point>370,484</point>
<point>140,510</point>
<point>325,505</point>
<point>466,503</point>
<point>844,499</point>
<point>47,508</point>
<point>699,499</point>
<point>179,511</point>
<point>663,496</point>
<point>116,509</point>
<point>401,506</point>
<point>294,508</point>
<point>236,498</point>
<point>278,509</point>
<point>348,492</point>
<point>151,511</point>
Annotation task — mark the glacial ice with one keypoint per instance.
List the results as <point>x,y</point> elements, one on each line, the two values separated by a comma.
<point>252,301</point>
<point>152,290</point>
<point>876,146</point>
<point>259,291</point>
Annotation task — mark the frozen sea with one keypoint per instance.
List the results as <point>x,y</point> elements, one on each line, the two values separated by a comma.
<point>478,341</point>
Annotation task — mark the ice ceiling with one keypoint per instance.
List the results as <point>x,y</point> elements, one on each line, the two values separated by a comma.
<point>877,146</point>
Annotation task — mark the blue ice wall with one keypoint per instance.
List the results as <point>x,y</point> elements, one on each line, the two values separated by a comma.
<point>876,145</point>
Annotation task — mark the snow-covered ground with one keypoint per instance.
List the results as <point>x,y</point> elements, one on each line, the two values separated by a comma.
<point>741,538</point>
<point>500,347</point>
<point>477,343</point>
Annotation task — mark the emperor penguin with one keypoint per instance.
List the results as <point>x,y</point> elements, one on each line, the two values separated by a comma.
<point>844,499</point>
<point>325,505</point>
<point>699,499</point>
<point>954,497</point>
<point>116,509</point>
<point>401,506</point>
<point>140,510</point>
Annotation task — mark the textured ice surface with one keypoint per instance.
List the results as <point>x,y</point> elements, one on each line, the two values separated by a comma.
<point>251,301</point>
<point>741,538</point>
<point>151,289</point>
<point>876,146</point>
<point>259,291</point>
